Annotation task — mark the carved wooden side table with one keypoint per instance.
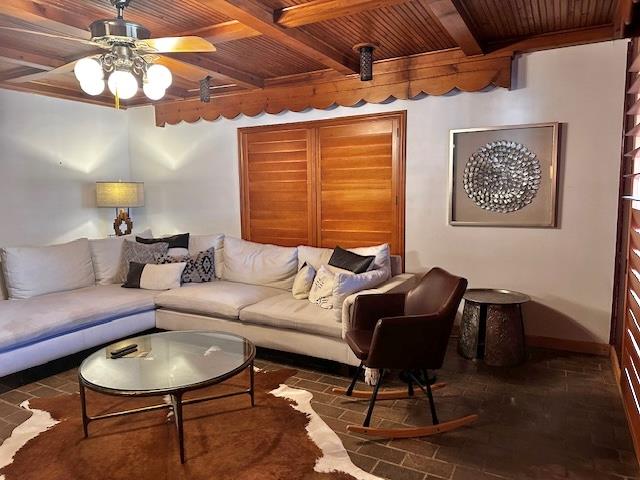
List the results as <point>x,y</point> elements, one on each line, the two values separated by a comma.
<point>492,328</point>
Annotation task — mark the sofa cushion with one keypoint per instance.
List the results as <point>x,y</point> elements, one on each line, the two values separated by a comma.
<point>33,271</point>
<point>284,311</point>
<point>26,321</point>
<point>218,299</point>
<point>259,264</point>
<point>314,256</point>
<point>106,254</point>
<point>201,243</point>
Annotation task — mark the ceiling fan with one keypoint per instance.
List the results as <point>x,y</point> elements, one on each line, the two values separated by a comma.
<point>127,57</point>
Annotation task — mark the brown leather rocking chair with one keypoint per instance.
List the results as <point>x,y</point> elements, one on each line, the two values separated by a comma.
<point>407,332</point>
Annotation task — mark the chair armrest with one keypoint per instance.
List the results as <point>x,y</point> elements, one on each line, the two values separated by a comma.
<point>368,309</point>
<point>409,342</point>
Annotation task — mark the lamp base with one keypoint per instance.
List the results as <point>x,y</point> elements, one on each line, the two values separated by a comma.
<point>121,220</point>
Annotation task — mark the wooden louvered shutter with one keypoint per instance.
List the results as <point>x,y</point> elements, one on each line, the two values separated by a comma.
<point>276,186</point>
<point>630,243</point>
<point>359,183</point>
<point>325,183</point>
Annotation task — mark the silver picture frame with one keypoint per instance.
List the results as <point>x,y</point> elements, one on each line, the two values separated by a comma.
<point>544,215</point>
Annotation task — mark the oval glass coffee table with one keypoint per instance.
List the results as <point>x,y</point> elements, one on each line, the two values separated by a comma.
<point>167,363</point>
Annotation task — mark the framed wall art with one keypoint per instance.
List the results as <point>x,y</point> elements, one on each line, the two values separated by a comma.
<point>504,176</point>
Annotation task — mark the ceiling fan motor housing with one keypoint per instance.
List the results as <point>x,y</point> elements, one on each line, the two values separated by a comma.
<point>118,28</point>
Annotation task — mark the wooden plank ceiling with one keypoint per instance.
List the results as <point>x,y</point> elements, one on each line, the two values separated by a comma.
<point>266,42</point>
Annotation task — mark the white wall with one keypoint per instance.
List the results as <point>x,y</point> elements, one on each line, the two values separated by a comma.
<point>51,153</point>
<point>191,180</point>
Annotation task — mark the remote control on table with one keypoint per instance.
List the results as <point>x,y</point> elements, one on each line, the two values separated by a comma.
<point>120,352</point>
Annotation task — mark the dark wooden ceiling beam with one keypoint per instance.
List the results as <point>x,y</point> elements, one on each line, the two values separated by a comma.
<point>51,17</point>
<point>291,17</point>
<point>448,15</point>
<point>196,67</point>
<point>259,18</point>
<point>547,41</point>
<point>321,10</point>
<point>623,17</point>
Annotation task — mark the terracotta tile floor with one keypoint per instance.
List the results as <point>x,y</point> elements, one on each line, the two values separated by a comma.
<point>559,416</point>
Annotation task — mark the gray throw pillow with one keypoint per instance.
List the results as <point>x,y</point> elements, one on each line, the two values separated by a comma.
<point>139,253</point>
<point>199,269</point>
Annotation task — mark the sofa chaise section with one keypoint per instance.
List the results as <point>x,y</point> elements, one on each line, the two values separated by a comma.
<point>39,329</point>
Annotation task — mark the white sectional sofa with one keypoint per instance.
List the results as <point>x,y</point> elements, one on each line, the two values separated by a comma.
<point>244,300</point>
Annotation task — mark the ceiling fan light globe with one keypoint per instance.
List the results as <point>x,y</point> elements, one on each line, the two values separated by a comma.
<point>153,91</point>
<point>159,75</point>
<point>93,87</point>
<point>123,83</point>
<point>88,69</point>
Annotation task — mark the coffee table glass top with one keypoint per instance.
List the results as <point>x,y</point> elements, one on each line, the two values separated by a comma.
<point>168,361</point>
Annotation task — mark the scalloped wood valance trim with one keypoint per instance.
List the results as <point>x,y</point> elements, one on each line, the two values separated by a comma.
<point>405,78</point>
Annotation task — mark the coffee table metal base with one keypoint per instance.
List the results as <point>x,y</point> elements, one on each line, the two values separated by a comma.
<point>177,402</point>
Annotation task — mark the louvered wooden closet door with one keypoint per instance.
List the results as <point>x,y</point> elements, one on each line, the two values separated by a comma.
<point>359,183</point>
<point>276,186</point>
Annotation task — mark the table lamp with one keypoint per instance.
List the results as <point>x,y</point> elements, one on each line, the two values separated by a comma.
<point>122,196</point>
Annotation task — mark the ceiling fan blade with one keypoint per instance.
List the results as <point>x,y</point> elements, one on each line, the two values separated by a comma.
<point>176,45</point>
<point>51,35</point>
<point>182,69</point>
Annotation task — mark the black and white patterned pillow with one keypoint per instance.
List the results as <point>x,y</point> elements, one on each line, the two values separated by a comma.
<point>200,267</point>
<point>139,253</point>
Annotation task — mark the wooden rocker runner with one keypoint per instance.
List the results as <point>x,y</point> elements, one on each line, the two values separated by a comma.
<point>408,332</point>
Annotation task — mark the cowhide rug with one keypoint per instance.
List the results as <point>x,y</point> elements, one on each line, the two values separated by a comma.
<point>280,438</point>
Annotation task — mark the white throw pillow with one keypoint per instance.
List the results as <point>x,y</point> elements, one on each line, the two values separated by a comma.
<point>322,289</point>
<point>155,277</point>
<point>33,271</point>
<point>106,254</point>
<point>346,284</point>
<point>382,254</point>
<point>303,282</point>
<point>202,243</point>
<point>314,256</point>
<point>259,264</point>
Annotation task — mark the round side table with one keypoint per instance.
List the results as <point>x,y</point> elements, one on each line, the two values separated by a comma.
<point>492,328</point>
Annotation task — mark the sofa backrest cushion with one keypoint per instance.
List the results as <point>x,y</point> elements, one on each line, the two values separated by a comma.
<point>259,264</point>
<point>106,254</point>
<point>33,271</point>
<point>314,256</point>
<point>202,243</point>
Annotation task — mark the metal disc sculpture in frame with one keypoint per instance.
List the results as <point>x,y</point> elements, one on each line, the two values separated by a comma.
<point>502,176</point>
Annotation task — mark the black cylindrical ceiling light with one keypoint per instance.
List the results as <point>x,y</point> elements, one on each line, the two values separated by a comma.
<point>205,89</point>
<point>366,60</point>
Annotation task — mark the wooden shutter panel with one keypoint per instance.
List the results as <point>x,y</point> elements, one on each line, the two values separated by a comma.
<point>359,183</point>
<point>276,191</point>
<point>325,183</point>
